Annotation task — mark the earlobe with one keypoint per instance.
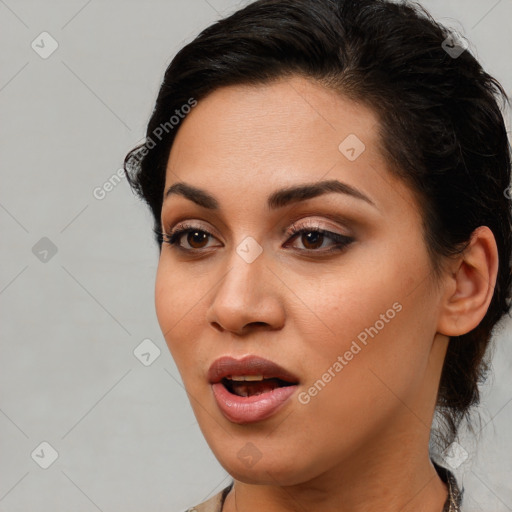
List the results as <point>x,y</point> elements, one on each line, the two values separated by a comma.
<point>470,286</point>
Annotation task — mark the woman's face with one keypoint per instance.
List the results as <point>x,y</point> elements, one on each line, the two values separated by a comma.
<point>352,320</point>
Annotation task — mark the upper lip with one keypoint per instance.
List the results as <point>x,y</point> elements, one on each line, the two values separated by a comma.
<point>250,365</point>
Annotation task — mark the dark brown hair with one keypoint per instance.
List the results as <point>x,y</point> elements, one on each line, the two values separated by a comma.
<point>441,128</point>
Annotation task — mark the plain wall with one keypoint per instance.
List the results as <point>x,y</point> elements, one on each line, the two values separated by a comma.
<point>125,435</point>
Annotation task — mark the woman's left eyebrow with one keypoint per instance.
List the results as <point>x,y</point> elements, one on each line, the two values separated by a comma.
<point>277,199</point>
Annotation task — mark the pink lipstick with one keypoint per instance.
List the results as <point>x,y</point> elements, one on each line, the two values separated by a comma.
<point>250,389</point>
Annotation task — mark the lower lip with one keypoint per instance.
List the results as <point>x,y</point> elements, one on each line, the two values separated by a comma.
<point>249,409</point>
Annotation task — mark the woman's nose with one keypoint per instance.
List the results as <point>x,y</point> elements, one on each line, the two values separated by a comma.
<point>248,295</point>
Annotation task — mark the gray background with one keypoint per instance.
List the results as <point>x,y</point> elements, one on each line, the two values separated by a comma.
<point>124,432</point>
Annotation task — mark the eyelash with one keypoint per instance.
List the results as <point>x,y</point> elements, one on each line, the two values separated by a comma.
<point>341,241</point>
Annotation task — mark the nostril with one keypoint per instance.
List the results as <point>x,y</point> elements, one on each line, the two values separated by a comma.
<point>217,326</point>
<point>258,324</point>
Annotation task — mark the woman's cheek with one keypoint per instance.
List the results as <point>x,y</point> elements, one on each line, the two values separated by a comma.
<point>171,298</point>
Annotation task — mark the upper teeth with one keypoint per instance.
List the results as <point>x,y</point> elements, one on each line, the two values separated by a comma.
<point>246,377</point>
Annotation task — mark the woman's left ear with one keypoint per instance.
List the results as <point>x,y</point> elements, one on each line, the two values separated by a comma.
<point>470,285</point>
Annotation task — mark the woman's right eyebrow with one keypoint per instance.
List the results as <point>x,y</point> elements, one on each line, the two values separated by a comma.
<point>278,199</point>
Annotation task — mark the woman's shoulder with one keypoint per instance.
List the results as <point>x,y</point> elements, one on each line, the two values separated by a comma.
<point>213,504</point>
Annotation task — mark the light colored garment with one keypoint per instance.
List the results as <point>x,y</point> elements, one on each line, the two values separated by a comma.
<point>214,504</point>
<point>452,504</point>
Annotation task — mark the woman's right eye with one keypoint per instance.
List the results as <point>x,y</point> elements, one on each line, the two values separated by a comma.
<point>195,238</point>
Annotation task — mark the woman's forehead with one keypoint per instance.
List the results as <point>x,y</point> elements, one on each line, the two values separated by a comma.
<point>229,146</point>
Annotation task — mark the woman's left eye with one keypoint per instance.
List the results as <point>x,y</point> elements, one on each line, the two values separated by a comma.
<point>312,238</point>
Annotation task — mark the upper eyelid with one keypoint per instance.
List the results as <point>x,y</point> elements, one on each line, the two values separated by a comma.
<point>189,225</point>
<point>294,226</point>
<point>332,219</point>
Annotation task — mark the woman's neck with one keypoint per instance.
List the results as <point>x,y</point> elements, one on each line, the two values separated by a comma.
<point>405,481</point>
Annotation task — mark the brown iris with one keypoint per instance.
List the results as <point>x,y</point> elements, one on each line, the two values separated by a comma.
<point>194,237</point>
<point>313,238</point>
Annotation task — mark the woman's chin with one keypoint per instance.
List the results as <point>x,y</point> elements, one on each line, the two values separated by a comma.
<point>263,472</point>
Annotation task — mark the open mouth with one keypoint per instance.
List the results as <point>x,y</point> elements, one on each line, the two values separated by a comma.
<point>252,385</point>
<point>251,389</point>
